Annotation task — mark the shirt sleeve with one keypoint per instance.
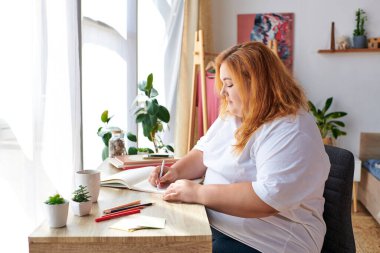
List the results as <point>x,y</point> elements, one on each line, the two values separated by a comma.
<point>290,166</point>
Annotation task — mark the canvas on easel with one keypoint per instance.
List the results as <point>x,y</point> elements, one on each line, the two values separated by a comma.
<point>266,27</point>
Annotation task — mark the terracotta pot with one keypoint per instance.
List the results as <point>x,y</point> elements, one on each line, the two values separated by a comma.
<point>329,141</point>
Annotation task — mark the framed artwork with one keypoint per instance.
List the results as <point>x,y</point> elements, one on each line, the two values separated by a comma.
<point>268,26</point>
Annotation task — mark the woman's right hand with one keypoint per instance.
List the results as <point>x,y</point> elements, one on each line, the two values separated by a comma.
<point>169,176</point>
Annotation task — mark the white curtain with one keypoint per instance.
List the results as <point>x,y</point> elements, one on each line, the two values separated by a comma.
<point>40,101</point>
<point>172,13</point>
<point>61,138</point>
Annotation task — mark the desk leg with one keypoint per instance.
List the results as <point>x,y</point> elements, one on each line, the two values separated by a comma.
<point>355,194</point>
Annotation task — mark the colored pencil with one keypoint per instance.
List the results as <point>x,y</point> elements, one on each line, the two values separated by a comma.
<point>128,207</point>
<point>120,214</point>
<point>137,202</point>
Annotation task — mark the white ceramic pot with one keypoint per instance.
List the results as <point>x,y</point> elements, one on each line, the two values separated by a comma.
<point>57,214</point>
<point>91,179</point>
<point>81,208</point>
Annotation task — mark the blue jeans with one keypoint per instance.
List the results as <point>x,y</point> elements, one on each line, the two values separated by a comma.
<point>224,244</point>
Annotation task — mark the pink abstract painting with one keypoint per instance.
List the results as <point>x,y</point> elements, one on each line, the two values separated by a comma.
<point>269,26</point>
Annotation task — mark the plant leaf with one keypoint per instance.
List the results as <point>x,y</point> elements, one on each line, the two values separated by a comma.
<point>131,137</point>
<point>335,115</point>
<point>142,86</point>
<point>152,107</point>
<point>153,121</point>
<point>106,137</point>
<point>327,104</point>
<point>141,117</point>
<point>169,148</point>
<point>153,93</point>
<point>163,114</point>
<point>146,131</point>
<point>105,153</point>
<point>312,108</point>
<point>104,117</point>
<point>338,123</point>
<point>132,151</point>
<point>149,82</point>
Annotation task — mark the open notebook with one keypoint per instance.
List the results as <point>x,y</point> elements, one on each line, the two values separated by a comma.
<point>136,179</point>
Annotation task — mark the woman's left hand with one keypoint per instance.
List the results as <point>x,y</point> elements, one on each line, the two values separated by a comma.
<point>182,191</point>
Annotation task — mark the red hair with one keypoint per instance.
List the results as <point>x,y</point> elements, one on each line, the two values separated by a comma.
<point>266,88</point>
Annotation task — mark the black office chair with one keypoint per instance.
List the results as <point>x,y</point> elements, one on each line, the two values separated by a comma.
<point>338,195</point>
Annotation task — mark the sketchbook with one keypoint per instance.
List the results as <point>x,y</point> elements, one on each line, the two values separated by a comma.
<point>136,179</point>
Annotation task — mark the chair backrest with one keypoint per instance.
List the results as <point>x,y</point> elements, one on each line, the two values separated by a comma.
<point>338,196</point>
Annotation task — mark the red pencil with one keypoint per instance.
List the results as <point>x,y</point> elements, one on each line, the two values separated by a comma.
<point>116,215</point>
<point>123,211</point>
<point>114,210</point>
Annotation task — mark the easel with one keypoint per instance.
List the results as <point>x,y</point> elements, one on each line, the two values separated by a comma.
<point>199,60</point>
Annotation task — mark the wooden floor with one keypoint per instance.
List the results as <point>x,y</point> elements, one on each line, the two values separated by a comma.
<point>366,231</point>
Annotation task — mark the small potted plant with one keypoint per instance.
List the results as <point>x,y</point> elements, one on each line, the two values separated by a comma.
<point>327,123</point>
<point>360,39</point>
<point>80,203</point>
<point>57,210</point>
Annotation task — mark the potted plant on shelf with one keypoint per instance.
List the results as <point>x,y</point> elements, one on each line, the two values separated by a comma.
<point>360,39</point>
<point>153,117</point>
<point>57,209</point>
<point>327,122</point>
<point>80,203</point>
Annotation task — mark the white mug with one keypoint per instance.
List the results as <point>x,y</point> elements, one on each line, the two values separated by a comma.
<point>91,179</point>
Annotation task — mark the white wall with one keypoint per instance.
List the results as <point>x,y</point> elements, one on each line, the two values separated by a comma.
<point>353,79</point>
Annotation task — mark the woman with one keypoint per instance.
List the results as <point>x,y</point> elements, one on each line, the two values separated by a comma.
<point>263,160</point>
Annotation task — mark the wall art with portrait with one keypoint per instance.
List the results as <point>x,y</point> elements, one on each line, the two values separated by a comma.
<point>268,26</point>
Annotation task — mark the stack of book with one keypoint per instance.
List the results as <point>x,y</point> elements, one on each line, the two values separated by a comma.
<point>137,161</point>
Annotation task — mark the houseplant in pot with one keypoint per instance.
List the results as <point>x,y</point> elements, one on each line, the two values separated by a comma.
<point>105,132</point>
<point>153,117</point>
<point>57,209</point>
<point>328,125</point>
<point>80,202</point>
<point>360,39</point>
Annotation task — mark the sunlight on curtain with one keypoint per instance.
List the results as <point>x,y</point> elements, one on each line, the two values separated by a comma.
<point>61,103</point>
<point>159,50</point>
<point>40,111</point>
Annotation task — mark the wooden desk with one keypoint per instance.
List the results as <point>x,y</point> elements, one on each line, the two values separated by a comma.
<point>186,230</point>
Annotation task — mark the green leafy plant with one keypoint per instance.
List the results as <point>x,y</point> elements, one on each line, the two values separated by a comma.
<point>360,20</point>
<point>81,194</point>
<point>326,122</point>
<point>152,116</point>
<point>105,132</point>
<point>55,200</point>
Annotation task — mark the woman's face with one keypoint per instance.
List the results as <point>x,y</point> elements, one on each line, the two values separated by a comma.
<point>230,92</point>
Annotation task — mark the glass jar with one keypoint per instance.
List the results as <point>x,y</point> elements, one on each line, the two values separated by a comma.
<point>116,144</point>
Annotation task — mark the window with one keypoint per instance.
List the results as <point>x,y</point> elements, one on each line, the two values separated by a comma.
<point>105,63</point>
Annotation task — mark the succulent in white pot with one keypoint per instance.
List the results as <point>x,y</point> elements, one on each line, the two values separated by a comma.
<point>57,209</point>
<point>80,203</point>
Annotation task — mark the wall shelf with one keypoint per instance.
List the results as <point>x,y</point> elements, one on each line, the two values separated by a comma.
<point>351,50</point>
